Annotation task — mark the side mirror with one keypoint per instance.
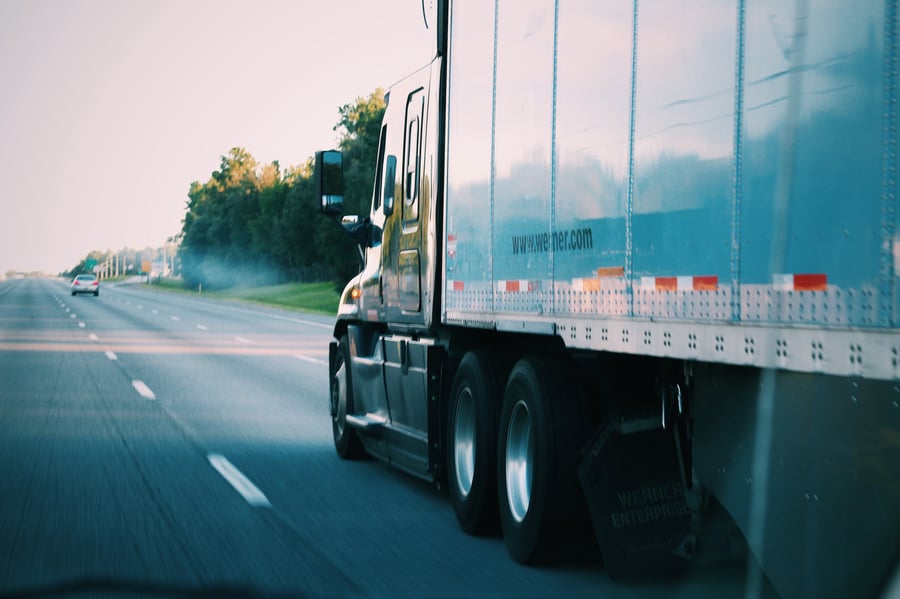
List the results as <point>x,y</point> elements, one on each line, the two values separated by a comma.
<point>329,176</point>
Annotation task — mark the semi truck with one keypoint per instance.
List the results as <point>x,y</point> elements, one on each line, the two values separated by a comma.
<point>632,264</point>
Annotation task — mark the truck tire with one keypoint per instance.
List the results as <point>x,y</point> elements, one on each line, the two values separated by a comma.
<point>541,427</point>
<point>346,439</point>
<point>472,443</point>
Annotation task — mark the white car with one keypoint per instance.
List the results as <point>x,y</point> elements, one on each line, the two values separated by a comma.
<point>86,284</point>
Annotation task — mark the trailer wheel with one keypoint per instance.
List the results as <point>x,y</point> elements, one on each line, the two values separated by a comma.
<point>346,440</point>
<point>540,429</point>
<point>472,443</point>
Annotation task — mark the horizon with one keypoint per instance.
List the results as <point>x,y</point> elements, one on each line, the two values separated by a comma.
<point>113,110</point>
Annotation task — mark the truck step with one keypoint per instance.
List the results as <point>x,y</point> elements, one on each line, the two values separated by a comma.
<point>365,421</point>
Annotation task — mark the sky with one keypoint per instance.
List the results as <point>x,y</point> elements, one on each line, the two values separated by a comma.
<point>109,109</point>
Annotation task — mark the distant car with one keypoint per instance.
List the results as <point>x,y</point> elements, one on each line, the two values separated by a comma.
<point>86,284</point>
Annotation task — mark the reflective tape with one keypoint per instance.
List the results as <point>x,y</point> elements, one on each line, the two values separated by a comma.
<point>681,283</point>
<point>800,282</point>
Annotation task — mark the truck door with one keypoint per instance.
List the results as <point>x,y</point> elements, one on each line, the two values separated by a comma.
<point>410,240</point>
<point>405,357</point>
<point>409,258</point>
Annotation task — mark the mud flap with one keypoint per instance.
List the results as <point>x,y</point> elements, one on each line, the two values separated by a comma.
<point>634,488</point>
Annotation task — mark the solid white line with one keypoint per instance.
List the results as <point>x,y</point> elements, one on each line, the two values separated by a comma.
<point>143,389</point>
<point>236,479</point>
<point>242,339</point>
<point>111,356</point>
<point>93,337</point>
<point>310,360</point>
<point>276,317</point>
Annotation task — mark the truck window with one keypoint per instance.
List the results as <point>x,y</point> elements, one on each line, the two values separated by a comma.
<point>412,162</point>
<point>390,172</point>
<point>376,198</point>
<point>413,156</point>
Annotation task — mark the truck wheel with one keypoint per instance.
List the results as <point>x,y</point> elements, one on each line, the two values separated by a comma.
<point>472,443</point>
<point>346,440</point>
<point>541,427</point>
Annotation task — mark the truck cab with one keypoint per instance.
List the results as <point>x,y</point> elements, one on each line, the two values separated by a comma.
<point>391,303</point>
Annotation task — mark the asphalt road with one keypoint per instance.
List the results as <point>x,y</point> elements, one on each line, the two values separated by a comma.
<point>154,444</point>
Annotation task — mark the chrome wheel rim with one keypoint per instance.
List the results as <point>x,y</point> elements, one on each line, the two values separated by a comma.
<point>519,461</point>
<point>339,399</point>
<point>464,442</point>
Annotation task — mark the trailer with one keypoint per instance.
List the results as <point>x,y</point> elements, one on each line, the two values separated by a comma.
<point>634,264</point>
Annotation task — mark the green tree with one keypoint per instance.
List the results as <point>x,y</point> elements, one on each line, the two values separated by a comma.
<point>258,223</point>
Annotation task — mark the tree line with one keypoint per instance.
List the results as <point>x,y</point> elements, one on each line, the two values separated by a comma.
<point>255,224</point>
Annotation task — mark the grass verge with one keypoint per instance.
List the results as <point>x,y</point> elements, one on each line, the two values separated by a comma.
<point>320,298</point>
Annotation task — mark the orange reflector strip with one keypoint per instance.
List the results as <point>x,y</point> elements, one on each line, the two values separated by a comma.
<point>667,283</point>
<point>611,271</point>
<point>706,283</point>
<point>590,284</point>
<point>810,282</point>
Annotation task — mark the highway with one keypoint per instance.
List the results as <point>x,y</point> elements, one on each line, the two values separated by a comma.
<point>158,444</point>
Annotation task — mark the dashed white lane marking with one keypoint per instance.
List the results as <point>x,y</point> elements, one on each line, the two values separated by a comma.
<point>236,479</point>
<point>80,325</point>
<point>156,311</point>
<point>140,306</point>
<point>242,339</point>
<point>174,318</point>
<point>68,309</point>
<point>143,389</point>
<point>111,356</point>
<point>73,316</point>
<point>310,360</point>
<point>202,328</point>
<point>93,337</point>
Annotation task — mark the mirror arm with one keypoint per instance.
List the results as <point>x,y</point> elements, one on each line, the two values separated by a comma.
<point>358,231</point>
